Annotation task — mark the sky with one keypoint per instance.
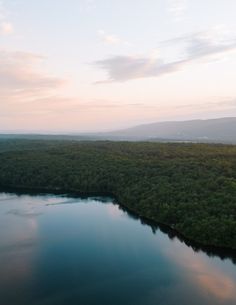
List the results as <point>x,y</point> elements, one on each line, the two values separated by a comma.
<point>94,65</point>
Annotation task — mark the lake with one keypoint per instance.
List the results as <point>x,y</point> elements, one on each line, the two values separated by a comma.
<point>61,250</point>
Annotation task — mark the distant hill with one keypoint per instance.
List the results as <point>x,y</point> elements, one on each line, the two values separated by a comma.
<point>221,130</point>
<point>213,130</point>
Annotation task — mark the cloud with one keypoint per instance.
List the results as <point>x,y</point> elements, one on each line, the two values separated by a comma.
<point>19,74</point>
<point>29,93</point>
<point>6,28</point>
<point>108,38</point>
<point>207,43</point>
<point>222,103</point>
<point>194,47</point>
<point>112,39</point>
<point>123,68</point>
<point>76,105</point>
<point>23,86</point>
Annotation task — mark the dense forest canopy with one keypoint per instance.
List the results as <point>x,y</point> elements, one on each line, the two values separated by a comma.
<point>190,187</point>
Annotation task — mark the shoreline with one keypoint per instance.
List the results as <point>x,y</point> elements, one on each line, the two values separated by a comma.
<point>209,249</point>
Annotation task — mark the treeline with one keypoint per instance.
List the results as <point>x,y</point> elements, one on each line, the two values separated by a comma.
<point>190,187</point>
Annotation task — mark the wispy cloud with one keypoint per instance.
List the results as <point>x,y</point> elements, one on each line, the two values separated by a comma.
<point>21,80</point>
<point>222,103</point>
<point>111,39</point>
<point>108,38</point>
<point>123,68</point>
<point>28,91</point>
<point>194,47</point>
<point>200,44</point>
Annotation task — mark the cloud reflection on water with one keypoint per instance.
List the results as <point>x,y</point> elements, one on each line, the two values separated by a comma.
<point>204,271</point>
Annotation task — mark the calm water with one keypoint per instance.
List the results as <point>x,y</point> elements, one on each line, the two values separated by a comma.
<point>58,250</point>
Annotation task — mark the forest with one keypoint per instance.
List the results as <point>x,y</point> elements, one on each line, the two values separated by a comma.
<point>190,187</point>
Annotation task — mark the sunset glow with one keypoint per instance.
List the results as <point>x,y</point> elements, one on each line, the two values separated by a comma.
<point>89,65</point>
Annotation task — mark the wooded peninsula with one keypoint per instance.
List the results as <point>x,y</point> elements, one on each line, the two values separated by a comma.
<point>190,187</point>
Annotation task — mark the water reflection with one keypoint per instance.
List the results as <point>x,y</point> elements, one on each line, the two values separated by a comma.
<point>211,251</point>
<point>210,277</point>
<point>18,239</point>
<point>212,280</point>
<point>62,250</point>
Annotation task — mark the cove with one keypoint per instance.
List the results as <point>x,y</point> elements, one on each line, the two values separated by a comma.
<point>60,249</point>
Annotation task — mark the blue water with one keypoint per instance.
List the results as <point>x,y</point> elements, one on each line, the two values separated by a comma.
<point>57,250</point>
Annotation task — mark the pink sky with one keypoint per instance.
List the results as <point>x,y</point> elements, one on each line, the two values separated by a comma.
<point>99,65</point>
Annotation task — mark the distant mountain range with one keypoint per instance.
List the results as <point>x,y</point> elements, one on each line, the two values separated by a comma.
<point>213,130</point>
<point>222,130</point>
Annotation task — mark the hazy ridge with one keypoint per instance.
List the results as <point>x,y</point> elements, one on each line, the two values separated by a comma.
<point>221,130</point>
